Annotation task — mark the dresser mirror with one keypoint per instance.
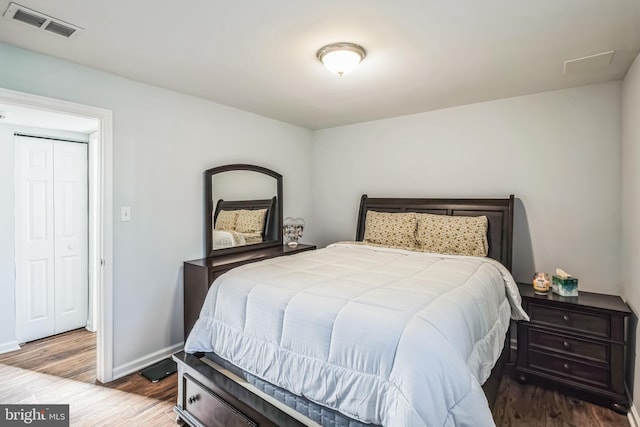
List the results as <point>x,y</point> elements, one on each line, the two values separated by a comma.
<point>243,209</point>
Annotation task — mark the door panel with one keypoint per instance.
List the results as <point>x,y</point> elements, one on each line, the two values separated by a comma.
<point>71,246</point>
<point>34,238</point>
<point>67,300</point>
<point>38,201</point>
<point>38,291</point>
<point>51,237</point>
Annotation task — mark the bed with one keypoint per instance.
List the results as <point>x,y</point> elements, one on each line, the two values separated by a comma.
<point>227,236</point>
<point>362,333</point>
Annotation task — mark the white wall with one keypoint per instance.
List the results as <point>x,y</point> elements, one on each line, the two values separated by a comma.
<point>631,196</point>
<point>7,224</point>
<point>558,152</point>
<point>162,143</point>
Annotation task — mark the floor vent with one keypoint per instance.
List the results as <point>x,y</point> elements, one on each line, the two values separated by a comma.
<point>41,21</point>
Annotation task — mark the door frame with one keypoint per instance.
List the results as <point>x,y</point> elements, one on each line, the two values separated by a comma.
<point>100,171</point>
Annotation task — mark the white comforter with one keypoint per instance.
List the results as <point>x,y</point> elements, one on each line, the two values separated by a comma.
<point>385,336</point>
<point>227,239</point>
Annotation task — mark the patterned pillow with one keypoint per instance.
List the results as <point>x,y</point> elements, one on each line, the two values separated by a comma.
<point>454,235</point>
<point>226,220</point>
<point>391,229</point>
<point>251,221</point>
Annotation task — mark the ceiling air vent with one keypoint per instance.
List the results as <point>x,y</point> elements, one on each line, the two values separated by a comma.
<point>29,18</point>
<point>60,29</point>
<point>41,21</point>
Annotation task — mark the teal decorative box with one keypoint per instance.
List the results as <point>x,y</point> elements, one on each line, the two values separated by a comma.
<point>566,287</point>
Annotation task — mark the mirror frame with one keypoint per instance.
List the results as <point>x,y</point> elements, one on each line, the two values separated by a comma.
<point>209,207</point>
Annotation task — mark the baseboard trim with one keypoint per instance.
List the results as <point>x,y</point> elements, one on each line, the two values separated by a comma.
<point>9,346</point>
<point>90,327</point>
<point>633,416</point>
<point>143,362</point>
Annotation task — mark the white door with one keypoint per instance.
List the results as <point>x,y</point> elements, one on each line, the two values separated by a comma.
<point>51,237</point>
<point>34,238</point>
<point>70,227</point>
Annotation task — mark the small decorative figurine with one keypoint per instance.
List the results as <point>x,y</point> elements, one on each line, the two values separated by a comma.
<point>292,230</point>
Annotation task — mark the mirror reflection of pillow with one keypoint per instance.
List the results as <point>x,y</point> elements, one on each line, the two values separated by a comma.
<point>226,220</point>
<point>251,221</point>
<point>251,238</point>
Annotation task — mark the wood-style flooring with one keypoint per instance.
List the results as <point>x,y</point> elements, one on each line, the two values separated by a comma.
<point>61,369</point>
<point>528,405</point>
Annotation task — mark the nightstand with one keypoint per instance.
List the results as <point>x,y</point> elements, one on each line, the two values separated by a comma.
<point>580,343</point>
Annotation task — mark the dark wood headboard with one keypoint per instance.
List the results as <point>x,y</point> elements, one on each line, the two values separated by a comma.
<point>270,227</point>
<point>499,213</point>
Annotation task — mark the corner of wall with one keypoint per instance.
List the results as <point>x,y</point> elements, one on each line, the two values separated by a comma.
<point>144,361</point>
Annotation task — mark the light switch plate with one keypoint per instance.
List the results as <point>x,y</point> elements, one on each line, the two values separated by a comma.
<point>125,213</point>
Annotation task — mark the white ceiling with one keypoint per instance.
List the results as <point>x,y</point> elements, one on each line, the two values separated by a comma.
<point>259,55</point>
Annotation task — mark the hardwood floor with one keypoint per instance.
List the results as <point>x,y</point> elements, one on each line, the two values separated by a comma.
<point>528,405</point>
<point>61,369</point>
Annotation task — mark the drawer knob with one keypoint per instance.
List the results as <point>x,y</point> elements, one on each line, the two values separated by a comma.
<point>566,318</point>
<point>567,367</point>
<point>566,345</point>
<point>192,399</point>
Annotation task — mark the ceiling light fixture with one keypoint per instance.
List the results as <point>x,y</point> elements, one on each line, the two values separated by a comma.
<point>341,58</point>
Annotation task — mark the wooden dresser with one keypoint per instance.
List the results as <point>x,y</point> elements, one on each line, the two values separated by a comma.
<point>199,274</point>
<point>580,343</point>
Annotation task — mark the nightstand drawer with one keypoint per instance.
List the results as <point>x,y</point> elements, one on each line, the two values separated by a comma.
<point>590,323</point>
<point>577,371</point>
<point>541,340</point>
